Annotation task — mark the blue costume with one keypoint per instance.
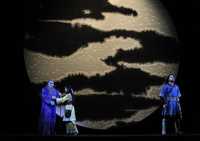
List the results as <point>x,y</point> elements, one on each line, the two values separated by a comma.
<point>170,95</point>
<point>48,111</point>
<point>171,112</point>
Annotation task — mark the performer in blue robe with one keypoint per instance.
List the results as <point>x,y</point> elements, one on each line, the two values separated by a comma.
<point>170,96</point>
<point>48,110</point>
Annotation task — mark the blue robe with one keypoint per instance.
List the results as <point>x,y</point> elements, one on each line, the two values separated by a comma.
<point>171,95</point>
<point>48,112</point>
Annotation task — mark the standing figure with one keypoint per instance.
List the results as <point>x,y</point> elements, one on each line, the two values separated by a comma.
<point>171,112</point>
<point>67,111</point>
<point>48,110</point>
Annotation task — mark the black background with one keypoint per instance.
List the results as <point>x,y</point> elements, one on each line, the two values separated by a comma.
<point>17,111</point>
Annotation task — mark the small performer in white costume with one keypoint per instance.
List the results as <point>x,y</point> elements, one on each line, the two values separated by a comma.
<point>66,110</point>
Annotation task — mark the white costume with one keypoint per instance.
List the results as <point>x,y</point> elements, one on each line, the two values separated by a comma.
<point>62,107</point>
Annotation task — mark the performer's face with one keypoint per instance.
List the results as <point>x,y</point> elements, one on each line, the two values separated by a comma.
<point>51,84</point>
<point>171,79</point>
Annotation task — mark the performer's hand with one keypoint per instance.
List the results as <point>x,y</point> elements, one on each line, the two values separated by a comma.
<point>52,103</point>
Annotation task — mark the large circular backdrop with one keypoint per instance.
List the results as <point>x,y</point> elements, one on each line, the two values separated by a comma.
<point>114,53</point>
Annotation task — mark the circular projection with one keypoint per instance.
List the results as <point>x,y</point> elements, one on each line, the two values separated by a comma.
<point>114,53</point>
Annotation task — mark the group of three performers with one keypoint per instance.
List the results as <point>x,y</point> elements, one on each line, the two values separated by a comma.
<point>169,94</point>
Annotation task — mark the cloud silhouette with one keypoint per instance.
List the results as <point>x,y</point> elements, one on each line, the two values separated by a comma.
<point>35,10</point>
<point>156,47</point>
<point>73,9</point>
<point>126,80</point>
<point>58,39</point>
